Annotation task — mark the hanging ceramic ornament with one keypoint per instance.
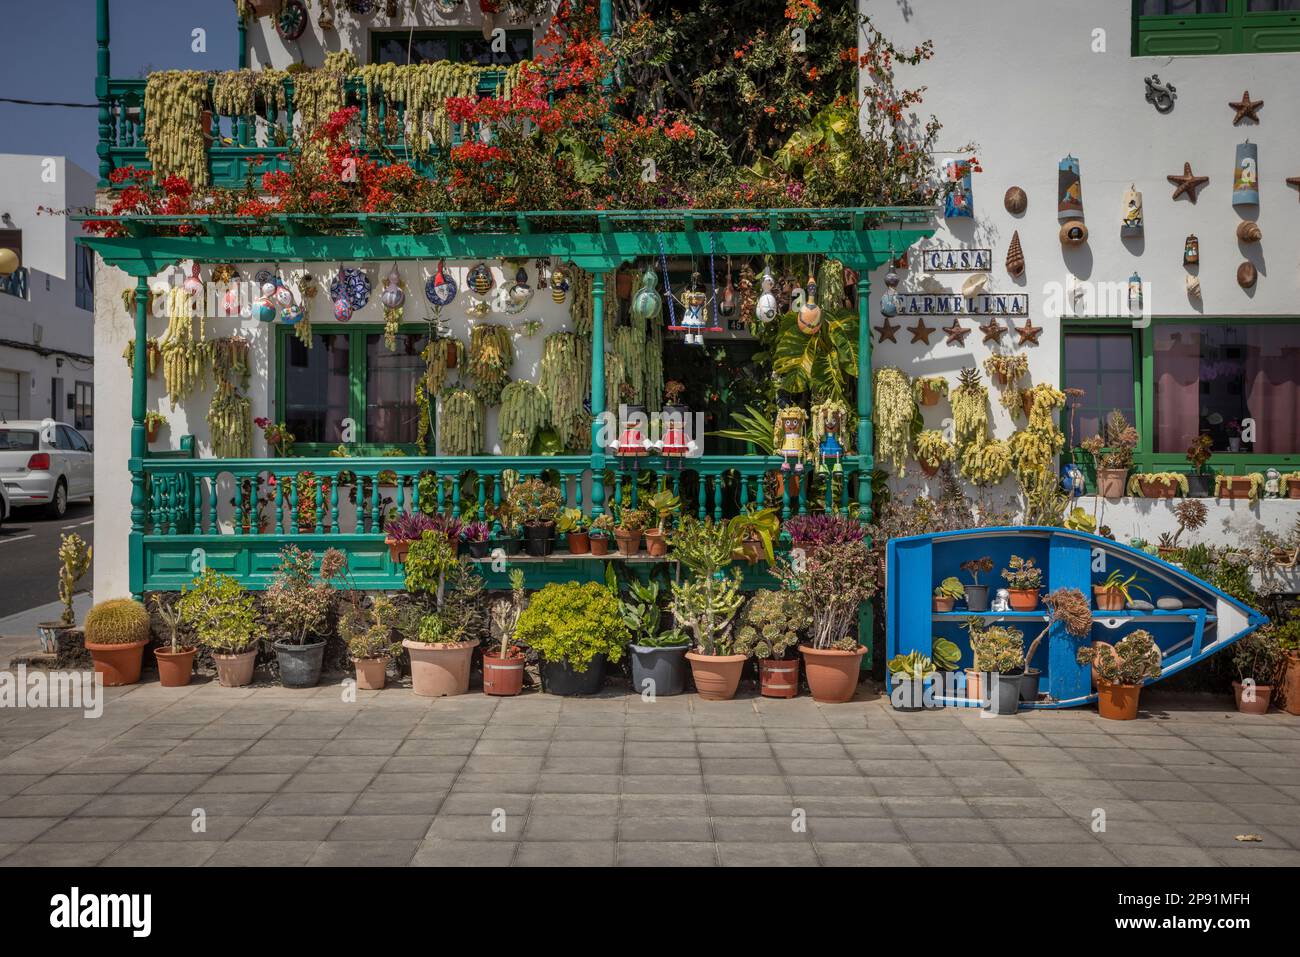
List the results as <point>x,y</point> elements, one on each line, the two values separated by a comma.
<point>1193,286</point>
<point>193,284</point>
<point>1249,232</point>
<point>693,301</point>
<point>520,292</point>
<point>1073,233</point>
<point>342,310</point>
<point>480,279</point>
<point>1131,225</point>
<point>889,301</point>
<point>1069,191</point>
<point>1015,257</point>
<point>957,202</point>
<point>394,296</point>
<point>766,308</point>
<point>1191,251</point>
<point>440,289</point>
<point>232,299</point>
<point>559,286</point>
<point>351,285</point>
<point>1245,175</point>
<point>292,313</point>
<point>727,301</point>
<point>647,304</point>
<point>264,307</point>
<point>1135,295</point>
<point>810,314</point>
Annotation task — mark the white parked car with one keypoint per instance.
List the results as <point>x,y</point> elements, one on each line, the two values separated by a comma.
<point>4,503</point>
<point>45,463</point>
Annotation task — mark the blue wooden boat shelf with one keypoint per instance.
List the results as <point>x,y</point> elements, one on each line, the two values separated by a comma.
<point>1208,622</point>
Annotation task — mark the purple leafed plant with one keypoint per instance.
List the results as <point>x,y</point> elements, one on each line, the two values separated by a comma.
<point>476,532</point>
<point>813,531</point>
<point>409,527</point>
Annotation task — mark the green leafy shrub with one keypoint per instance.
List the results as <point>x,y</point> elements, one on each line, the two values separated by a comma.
<point>1131,661</point>
<point>769,624</point>
<point>220,613</point>
<point>369,631</point>
<point>118,621</point>
<point>1258,657</point>
<point>298,601</point>
<point>573,623</point>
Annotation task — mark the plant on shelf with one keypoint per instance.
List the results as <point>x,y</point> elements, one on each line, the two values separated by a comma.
<point>116,632</point>
<point>630,524</point>
<point>1024,581</point>
<point>999,660</point>
<point>602,530</point>
<point>1198,456</point>
<point>1157,484</point>
<point>369,634</point>
<point>1116,592</point>
<point>1068,607</point>
<point>575,628</point>
<point>753,532</point>
<point>572,524</point>
<point>662,505</point>
<point>536,504</point>
<point>223,618</point>
<point>503,673</point>
<point>811,531</point>
<point>1258,660</point>
<point>929,389</point>
<point>946,594</point>
<point>1112,454</point>
<point>944,653</point>
<point>401,529</point>
<point>277,436</point>
<point>298,604</point>
<point>1121,669</point>
<point>477,538</point>
<point>1247,486</point>
<point>933,450</point>
<point>153,421</point>
<point>1078,519</point>
<point>895,409</point>
<point>977,595</point>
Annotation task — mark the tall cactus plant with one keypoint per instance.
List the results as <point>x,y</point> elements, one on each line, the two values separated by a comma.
<point>74,554</point>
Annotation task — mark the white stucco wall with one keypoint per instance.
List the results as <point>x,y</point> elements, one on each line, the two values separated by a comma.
<point>1020,79</point>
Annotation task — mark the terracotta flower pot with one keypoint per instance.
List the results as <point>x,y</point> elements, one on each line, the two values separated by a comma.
<point>441,669</point>
<point>503,677</point>
<point>371,673</point>
<point>397,549</point>
<point>943,604</point>
<point>1111,482</point>
<point>629,542</point>
<point>1117,702</point>
<point>1263,694</point>
<point>930,469</point>
<point>656,543</point>
<point>151,431</point>
<point>832,674</point>
<point>235,671</point>
<point>579,543</point>
<point>1027,402</point>
<point>1159,489</point>
<point>1293,488</point>
<point>1237,486</point>
<point>974,685</point>
<point>599,544</point>
<point>930,395</point>
<point>716,676</point>
<point>119,663</point>
<point>1108,599</point>
<point>778,677</point>
<point>1290,689</point>
<point>175,669</point>
<point>1023,599</point>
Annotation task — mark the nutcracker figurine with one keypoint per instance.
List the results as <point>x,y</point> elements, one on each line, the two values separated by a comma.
<point>830,424</point>
<point>632,445</point>
<point>789,437</point>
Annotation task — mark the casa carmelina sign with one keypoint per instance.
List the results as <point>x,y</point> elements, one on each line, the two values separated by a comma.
<point>957,259</point>
<point>985,304</point>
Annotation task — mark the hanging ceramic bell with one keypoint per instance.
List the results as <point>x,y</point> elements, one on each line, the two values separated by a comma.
<point>440,290</point>
<point>559,286</point>
<point>1191,251</point>
<point>1131,224</point>
<point>767,309</point>
<point>480,279</point>
<point>393,296</point>
<point>647,303</point>
<point>810,314</point>
<point>264,307</point>
<point>232,300</point>
<point>352,285</point>
<point>1135,295</point>
<point>292,314</point>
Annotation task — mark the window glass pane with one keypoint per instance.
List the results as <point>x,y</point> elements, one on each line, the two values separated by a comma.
<point>317,388</point>
<point>1182,8</point>
<point>15,440</point>
<point>1272,6</point>
<point>475,49</point>
<point>392,416</point>
<point>1101,364</point>
<point>1239,384</point>
<point>391,48</point>
<point>62,441</point>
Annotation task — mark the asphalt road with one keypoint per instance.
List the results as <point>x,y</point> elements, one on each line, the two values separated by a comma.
<point>29,555</point>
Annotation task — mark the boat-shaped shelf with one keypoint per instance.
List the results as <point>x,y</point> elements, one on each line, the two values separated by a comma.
<point>1208,622</point>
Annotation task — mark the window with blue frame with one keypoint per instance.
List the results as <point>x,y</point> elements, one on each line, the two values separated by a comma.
<point>1201,27</point>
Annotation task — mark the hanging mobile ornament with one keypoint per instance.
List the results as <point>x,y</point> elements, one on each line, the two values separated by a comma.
<point>810,314</point>
<point>647,304</point>
<point>480,279</point>
<point>727,304</point>
<point>559,286</point>
<point>889,301</point>
<point>520,292</point>
<point>394,295</point>
<point>264,307</point>
<point>766,309</point>
<point>440,289</point>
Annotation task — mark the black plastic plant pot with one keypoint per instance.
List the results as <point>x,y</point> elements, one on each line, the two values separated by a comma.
<point>539,540</point>
<point>479,549</point>
<point>1200,485</point>
<point>659,671</point>
<point>977,597</point>
<point>300,665</point>
<point>507,544</point>
<point>558,678</point>
<point>1029,685</point>
<point>1002,692</point>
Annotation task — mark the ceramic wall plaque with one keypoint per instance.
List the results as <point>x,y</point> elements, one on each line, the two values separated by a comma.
<point>956,259</point>
<point>1131,224</point>
<point>1069,190</point>
<point>957,204</point>
<point>1245,176</point>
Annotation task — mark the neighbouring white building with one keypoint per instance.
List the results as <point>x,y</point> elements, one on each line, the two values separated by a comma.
<point>47,305</point>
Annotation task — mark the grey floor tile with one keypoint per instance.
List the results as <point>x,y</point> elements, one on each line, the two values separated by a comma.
<point>667,854</point>
<point>565,854</point>
<point>91,829</point>
<point>964,855</point>
<point>277,827</point>
<point>802,854</point>
<point>365,853</point>
<point>866,855</point>
<point>440,852</point>
<point>263,854</point>
<point>665,829</point>
<point>55,854</point>
<point>565,827</point>
<point>140,853</point>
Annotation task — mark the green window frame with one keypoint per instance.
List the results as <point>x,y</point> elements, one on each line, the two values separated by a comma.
<point>458,42</point>
<point>1228,26</point>
<point>358,378</point>
<point>1145,458</point>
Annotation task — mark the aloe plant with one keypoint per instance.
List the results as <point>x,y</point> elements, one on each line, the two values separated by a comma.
<point>752,426</point>
<point>762,524</point>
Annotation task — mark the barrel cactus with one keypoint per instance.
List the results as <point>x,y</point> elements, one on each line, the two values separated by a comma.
<point>769,624</point>
<point>118,621</point>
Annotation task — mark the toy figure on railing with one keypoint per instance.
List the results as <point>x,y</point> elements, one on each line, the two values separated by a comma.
<point>676,443</point>
<point>632,444</point>
<point>829,422</point>
<point>789,437</point>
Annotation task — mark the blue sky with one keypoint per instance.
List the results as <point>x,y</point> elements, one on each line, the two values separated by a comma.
<point>49,54</point>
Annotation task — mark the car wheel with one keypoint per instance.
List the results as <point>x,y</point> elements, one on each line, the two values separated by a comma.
<point>58,506</point>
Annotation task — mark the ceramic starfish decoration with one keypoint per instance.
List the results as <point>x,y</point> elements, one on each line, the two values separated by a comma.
<point>1293,181</point>
<point>1246,108</point>
<point>921,332</point>
<point>956,333</point>
<point>1187,183</point>
<point>1028,333</point>
<point>993,332</point>
<point>887,331</point>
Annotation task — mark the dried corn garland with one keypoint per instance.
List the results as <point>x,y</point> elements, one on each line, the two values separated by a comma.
<point>491,354</point>
<point>460,423</point>
<point>524,412</point>
<point>173,125</point>
<point>230,421</point>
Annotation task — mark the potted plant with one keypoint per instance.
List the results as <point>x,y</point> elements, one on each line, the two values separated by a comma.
<point>663,505</point>
<point>1258,659</point>
<point>368,633</point>
<point>503,673</point>
<point>1112,454</point>
<point>658,657</point>
<point>153,421</point>
<point>834,581</point>
<point>1116,591</point>
<point>706,604</point>
<point>299,604</point>
<point>221,616</point>
<point>907,677</point>
<point>753,532</point>
<point>441,632</point>
<point>999,651</point>
<point>1066,606</point>
<point>1290,484</point>
<point>176,664</point>
<point>768,630</point>
<point>628,531</point>
<point>977,595</point>
<point>814,530</point>
<point>575,629</point>
<point>1234,435</point>
<point>536,504</point>
<point>476,537</point>
<point>510,536</point>
<point>933,450</point>
<point>1191,515</point>
<point>74,561</point>
<point>1121,669</point>
<point>1024,581</point>
<point>1288,640</point>
<point>279,440</point>
<point>572,524</point>
<point>1005,368</point>
<point>946,594</point>
<point>1198,454</point>
<point>1157,484</point>
<point>1239,487</point>
<point>930,389</point>
<point>602,528</point>
<point>401,529</point>
<point>116,632</point>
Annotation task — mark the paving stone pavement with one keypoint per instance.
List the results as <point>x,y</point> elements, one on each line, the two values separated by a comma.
<point>280,777</point>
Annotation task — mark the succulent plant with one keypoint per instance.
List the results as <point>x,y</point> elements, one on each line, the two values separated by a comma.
<point>118,621</point>
<point>769,624</point>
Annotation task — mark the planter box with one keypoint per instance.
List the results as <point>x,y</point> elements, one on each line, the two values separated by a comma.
<point>1159,489</point>
<point>1236,487</point>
